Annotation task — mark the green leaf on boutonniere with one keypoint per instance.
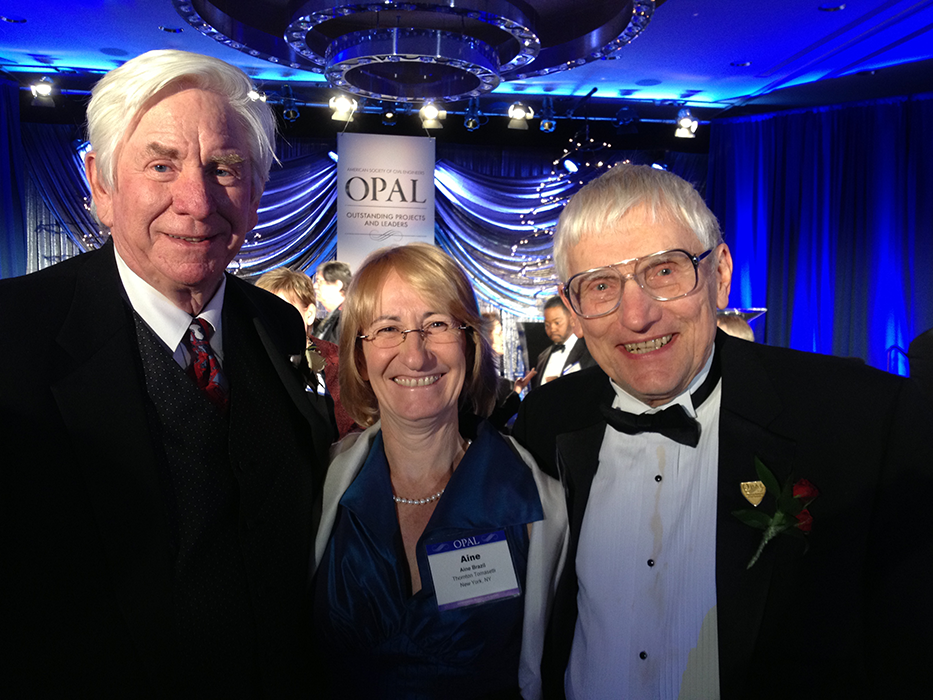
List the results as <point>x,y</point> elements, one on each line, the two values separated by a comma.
<point>753,518</point>
<point>767,478</point>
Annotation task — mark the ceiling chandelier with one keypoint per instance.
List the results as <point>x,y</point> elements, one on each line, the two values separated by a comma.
<point>414,51</point>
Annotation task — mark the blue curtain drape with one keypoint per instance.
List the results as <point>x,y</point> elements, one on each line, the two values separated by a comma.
<point>12,180</point>
<point>826,211</point>
<point>829,216</point>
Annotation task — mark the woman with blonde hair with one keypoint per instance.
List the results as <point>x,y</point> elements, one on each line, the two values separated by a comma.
<point>440,540</point>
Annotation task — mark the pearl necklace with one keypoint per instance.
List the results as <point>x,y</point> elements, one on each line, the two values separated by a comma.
<point>417,501</point>
<point>429,499</point>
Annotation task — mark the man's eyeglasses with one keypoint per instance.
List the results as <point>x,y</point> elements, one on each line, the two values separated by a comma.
<point>438,331</point>
<point>667,275</point>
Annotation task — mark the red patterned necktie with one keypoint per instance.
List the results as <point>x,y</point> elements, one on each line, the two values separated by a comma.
<point>207,372</point>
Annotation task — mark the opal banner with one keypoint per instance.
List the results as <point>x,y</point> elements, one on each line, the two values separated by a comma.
<point>385,193</point>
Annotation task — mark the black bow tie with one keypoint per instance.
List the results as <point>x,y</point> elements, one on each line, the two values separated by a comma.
<point>673,422</point>
<point>558,347</point>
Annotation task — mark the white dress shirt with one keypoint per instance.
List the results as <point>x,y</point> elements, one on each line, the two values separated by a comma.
<point>646,565</point>
<point>166,320</point>
<point>557,358</point>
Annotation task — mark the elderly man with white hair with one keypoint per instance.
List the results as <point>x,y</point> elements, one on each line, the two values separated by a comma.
<point>745,521</point>
<point>161,456</point>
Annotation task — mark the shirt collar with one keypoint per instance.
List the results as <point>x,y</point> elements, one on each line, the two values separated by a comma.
<point>629,403</point>
<point>489,466</point>
<point>568,344</point>
<point>165,319</point>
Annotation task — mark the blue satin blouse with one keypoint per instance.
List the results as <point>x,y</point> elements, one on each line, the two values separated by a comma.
<point>373,638</point>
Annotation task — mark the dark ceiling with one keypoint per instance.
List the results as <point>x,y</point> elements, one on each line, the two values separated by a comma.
<point>719,57</point>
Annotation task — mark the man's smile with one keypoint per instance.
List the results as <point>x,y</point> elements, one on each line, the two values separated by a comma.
<point>647,345</point>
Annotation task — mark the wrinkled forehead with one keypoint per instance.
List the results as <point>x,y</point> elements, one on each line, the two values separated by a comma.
<point>640,232</point>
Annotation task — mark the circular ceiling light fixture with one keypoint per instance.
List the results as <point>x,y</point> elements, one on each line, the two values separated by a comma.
<point>416,51</point>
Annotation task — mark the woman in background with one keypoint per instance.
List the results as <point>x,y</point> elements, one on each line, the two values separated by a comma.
<point>440,542</point>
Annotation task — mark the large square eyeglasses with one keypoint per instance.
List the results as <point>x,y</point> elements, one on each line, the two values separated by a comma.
<point>665,275</point>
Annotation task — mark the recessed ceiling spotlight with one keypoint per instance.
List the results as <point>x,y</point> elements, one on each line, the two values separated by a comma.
<point>170,30</point>
<point>12,19</point>
<point>741,64</point>
<point>832,7</point>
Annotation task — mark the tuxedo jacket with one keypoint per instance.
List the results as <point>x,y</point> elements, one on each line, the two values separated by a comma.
<point>849,616</point>
<point>86,547</point>
<point>578,355</point>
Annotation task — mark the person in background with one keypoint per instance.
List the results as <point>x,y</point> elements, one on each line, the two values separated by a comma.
<point>331,282</point>
<point>321,356</point>
<point>508,393</point>
<point>736,326</point>
<point>567,352</point>
<point>161,456</point>
<point>294,287</point>
<point>746,521</point>
<point>440,541</point>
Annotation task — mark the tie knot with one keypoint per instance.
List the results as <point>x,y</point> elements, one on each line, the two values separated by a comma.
<point>201,329</point>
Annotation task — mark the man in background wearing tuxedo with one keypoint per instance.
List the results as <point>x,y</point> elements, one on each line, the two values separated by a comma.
<point>684,444</point>
<point>161,456</point>
<point>567,353</point>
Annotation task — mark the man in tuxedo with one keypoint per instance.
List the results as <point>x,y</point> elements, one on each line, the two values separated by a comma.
<point>161,457</point>
<point>670,588</point>
<point>567,353</point>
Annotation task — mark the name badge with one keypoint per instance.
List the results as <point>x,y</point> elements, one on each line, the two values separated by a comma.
<point>472,570</point>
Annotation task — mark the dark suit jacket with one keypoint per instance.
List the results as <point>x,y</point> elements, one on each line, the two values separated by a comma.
<point>86,550</point>
<point>578,354</point>
<point>850,618</point>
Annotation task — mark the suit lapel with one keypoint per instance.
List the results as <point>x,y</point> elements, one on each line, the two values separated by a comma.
<point>749,406</point>
<point>312,406</point>
<point>576,352</point>
<point>577,462</point>
<point>100,398</point>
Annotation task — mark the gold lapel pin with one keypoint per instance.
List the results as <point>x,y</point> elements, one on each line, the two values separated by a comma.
<point>753,491</point>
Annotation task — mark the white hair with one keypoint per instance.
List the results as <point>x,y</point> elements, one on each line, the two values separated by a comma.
<point>118,98</point>
<point>597,209</point>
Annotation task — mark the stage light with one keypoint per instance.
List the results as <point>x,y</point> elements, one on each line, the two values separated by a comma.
<point>344,108</point>
<point>519,114</point>
<point>42,92</point>
<point>570,166</point>
<point>626,121</point>
<point>548,122</point>
<point>390,116</point>
<point>256,95</point>
<point>289,107</point>
<point>686,124</point>
<point>472,118</point>
<point>333,156</point>
<point>431,115</point>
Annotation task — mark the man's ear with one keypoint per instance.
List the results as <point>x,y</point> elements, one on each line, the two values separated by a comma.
<point>103,197</point>
<point>723,276</point>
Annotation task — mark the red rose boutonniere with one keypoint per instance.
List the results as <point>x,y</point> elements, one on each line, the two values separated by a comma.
<point>790,514</point>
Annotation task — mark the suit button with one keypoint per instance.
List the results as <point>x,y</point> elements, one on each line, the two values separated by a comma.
<point>651,562</point>
<point>658,478</point>
<point>643,655</point>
